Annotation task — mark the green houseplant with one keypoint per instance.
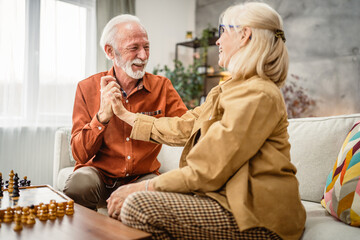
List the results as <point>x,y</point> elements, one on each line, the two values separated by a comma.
<point>189,81</point>
<point>186,81</point>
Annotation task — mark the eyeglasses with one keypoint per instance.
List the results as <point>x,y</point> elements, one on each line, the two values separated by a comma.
<point>222,28</point>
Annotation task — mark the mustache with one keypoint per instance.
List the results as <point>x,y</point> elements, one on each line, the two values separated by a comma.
<point>138,61</point>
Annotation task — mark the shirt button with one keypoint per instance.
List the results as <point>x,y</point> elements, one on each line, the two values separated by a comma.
<point>127,101</point>
<point>127,174</point>
<point>99,128</point>
<point>127,139</point>
<point>128,157</point>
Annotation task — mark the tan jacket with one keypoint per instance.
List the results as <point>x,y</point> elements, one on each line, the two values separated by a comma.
<point>242,158</point>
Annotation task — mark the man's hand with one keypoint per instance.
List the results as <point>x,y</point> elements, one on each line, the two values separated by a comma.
<point>109,87</point>
<point>117,198</point>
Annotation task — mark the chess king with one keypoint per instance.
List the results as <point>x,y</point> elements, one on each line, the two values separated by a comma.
<point>106,157</point>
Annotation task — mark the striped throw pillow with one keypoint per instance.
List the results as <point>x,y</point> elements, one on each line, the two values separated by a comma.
<point>342,191</point>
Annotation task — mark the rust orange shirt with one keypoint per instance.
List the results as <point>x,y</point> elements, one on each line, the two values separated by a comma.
<point>108,147</point>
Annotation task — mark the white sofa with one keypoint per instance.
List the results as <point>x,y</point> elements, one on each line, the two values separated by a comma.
<point>315,143</point>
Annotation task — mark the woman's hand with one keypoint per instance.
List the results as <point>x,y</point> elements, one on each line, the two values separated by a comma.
<point>117,198</point>
<point>120,111</point>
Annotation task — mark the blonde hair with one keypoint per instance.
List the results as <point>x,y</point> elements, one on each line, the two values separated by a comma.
<point>264,55</point>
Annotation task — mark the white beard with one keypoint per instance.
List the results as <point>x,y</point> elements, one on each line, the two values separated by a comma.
<point>127,67</point>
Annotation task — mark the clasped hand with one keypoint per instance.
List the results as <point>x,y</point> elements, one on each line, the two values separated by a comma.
<point>110,102</point>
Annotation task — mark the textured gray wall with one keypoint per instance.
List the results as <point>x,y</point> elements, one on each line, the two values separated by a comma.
<point>323,39</point>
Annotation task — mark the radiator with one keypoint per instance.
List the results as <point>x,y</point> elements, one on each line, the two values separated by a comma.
<point>29,151</point>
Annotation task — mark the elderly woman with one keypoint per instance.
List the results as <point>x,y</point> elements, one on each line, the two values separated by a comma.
<point>235,179</point>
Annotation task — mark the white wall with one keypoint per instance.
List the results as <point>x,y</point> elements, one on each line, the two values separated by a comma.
<point>166,22</point>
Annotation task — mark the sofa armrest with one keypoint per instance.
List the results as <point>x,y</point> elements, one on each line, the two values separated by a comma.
<point>62,153</point>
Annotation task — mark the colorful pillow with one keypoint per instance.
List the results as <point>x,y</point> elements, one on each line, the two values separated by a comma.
<point>342,191</point>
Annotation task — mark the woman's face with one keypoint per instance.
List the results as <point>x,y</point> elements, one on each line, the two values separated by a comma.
<point>228,44</point>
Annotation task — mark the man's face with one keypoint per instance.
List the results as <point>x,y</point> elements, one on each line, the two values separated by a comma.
<point>132,51</point>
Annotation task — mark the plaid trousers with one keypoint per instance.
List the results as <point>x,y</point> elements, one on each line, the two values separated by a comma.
<point>183,216</point>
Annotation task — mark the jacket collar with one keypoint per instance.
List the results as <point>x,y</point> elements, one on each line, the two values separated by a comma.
<point>234,81</point>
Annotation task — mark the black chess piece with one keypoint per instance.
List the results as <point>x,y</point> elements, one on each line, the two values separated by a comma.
<point>16,192</point>
<point>16,179</point>
<point>28,183</point>
<point>22,183</point>
<point>1,186</point>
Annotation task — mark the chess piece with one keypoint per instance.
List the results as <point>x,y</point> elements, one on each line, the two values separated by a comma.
<point>11,175</point>
<point>17,210</point>
<point>11,182</point>
<point>60,210</point>
<point>25,182</point>
<point>52,211</point>
<point>31,216</point>
<point>43,216</point>
<point>16,192</point>
<point>10,188</point>
<point>1,187</point>
<point>16,178</point>
<point>38,209</point>
<point>25,214</point>
<point>8,216</point>
<point>18,224</point>
<point>70,207</point>
<point>1,183</point>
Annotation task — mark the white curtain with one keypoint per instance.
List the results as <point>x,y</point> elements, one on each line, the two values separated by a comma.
<point>46,47</point>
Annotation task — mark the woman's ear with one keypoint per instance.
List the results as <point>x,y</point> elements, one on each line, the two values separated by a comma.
<point>245,35</point>
<point>109,51</point>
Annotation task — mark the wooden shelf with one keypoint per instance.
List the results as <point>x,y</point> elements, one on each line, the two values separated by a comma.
<point>195,43</point>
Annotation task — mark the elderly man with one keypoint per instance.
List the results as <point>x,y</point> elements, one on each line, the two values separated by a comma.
<point>106,157</point>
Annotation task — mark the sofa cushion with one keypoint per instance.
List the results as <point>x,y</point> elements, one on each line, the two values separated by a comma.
<point>63,176</point>
<point>342,190</point>
<point>320,225</point>
<point>315,144</point>
<point>67,132</point>
<point>169,157</point>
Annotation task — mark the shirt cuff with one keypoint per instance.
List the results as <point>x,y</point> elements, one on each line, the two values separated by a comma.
<point>172,181</point>
<point>142,127</point>
<point>95,124</point>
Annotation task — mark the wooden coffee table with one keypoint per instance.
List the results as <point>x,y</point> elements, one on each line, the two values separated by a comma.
<point>83,224</point>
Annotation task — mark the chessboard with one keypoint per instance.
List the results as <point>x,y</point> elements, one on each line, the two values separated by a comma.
<point>32,195</point>
<point>42,213</point>
<point>21,203</point>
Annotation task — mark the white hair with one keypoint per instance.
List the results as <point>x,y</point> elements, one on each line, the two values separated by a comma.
<point>109,34</point>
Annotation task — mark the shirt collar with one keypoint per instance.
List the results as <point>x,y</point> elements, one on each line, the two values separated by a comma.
<point>142,83</point>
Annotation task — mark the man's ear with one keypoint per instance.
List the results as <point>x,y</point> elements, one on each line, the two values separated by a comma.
<point>110,52</point>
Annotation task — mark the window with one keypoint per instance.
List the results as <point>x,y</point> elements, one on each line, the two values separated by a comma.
<point>46,47</point>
